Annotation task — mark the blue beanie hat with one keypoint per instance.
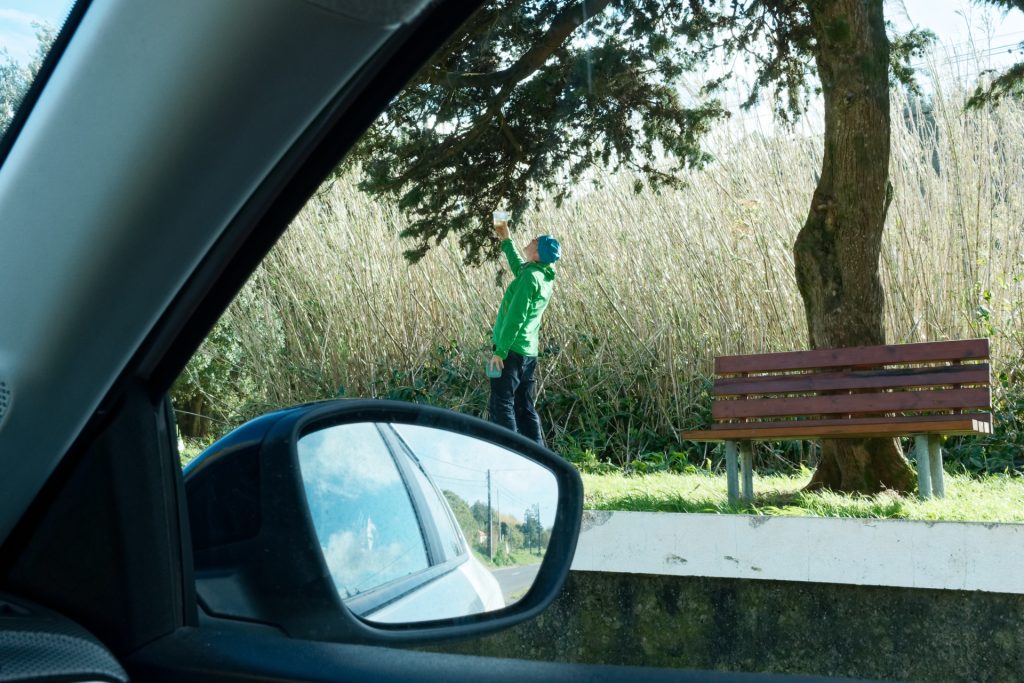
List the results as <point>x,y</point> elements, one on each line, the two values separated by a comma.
<point>548,249</point>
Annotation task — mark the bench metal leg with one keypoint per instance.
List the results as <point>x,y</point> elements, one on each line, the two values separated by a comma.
<point>924,468</point>
<point>732,476</point>
<point>747,468</point>
<point>935,460</point>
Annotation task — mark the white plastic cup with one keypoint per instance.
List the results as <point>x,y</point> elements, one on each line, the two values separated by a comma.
<point>500,217</point>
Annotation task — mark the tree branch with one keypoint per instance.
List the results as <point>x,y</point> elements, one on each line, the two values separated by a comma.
<point>567,21</point>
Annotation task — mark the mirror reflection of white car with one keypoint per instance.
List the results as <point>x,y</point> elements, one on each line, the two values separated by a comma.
<point>390,539</point>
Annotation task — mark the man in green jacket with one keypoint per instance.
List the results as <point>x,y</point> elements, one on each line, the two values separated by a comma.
<point>516,332</point>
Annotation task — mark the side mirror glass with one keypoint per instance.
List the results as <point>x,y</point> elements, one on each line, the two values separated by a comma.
<point>417,523</point>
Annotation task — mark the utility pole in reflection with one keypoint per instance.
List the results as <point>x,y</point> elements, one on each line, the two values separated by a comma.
<point>490,522</point>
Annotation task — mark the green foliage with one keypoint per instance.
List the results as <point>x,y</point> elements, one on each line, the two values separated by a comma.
<point>503,559</point>
<point>988,498</point>
<point>1010,83</point>
<point>214,387</point>
<point>903,50</point>
<point>448,378</point>
<point>15,78</point>
<point>1003,450</point>
<point>585,459</point>
<point>677,462</point>
<point>464,516</point>
<point>532,97</point>
<point>533,530</point>
<point>513,545</point>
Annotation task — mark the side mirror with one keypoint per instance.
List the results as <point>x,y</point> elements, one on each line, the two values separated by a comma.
<point>379,522</point>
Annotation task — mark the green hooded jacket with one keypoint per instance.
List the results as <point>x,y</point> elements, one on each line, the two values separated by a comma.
<point>517,327</point>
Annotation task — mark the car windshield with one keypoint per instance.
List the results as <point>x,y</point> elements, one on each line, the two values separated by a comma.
<point>28,29</point>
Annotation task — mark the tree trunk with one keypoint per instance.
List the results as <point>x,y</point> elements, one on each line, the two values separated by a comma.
<point>192,423</point>
<point>838,248</point>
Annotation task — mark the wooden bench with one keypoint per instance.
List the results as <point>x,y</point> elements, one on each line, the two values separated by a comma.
<point>923,390</point>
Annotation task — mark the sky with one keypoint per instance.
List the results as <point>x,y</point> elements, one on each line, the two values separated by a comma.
<point>968,35</point>
<point>960,26</point>
<point>16,17</point>
<point>460,464</point>
<point>956,22</point>
<point>964,32</point>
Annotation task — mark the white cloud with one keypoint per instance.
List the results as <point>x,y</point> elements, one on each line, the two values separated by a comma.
<point>17,35</point>
<point>346,460</point>
<point>16,15</point>
<point>356,565</point>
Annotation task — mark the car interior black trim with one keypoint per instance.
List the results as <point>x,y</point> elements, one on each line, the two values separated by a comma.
<point>22,533</point>
<point>81,555</point>
<point>202,656</point>
<point>50,646</point>
<point>183,326</point>
<point>168,426</point>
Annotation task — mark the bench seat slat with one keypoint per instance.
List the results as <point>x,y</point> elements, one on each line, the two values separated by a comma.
<point>852,428</point>
<point>848,404</point>
<point>977,373</point>
<point>890,354</point>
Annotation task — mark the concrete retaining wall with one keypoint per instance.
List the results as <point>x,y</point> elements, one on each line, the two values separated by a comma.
<point>943,601</point>
<point>773,626</point>
<point>865,552</point>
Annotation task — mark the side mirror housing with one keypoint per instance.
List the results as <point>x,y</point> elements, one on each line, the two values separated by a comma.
<point>379,522</point>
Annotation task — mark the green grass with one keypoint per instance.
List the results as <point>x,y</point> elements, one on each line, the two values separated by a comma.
<point>192,448</point>
<point>996,498</point>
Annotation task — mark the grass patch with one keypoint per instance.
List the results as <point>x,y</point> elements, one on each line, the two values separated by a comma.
<point>188,449</point>
<point>994,498</point>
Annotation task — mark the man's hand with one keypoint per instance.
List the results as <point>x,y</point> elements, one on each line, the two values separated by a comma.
<point>496,361</point>
<point>501,230</point>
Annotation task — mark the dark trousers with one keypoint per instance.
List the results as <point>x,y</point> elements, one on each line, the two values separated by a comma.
<point>511,404</point>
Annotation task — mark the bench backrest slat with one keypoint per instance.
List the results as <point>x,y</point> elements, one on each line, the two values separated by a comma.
<point>850,404</point>
<point>945,378</point>
<point>892,354</point>
<point>976,373</point>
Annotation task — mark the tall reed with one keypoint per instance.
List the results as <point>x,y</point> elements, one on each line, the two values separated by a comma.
<point>650,288</point>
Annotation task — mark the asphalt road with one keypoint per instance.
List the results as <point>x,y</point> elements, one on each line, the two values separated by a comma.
<point>515,581</point>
